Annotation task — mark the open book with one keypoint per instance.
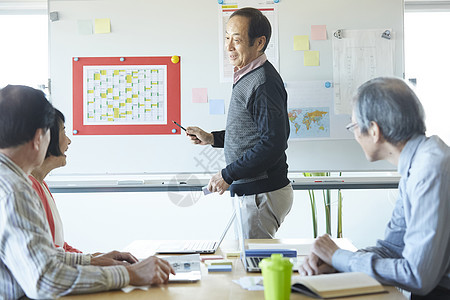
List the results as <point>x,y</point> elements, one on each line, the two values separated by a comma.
<point>336,285</point>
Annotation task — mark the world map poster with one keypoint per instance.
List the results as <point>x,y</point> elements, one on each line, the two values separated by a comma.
<point>311,112</point>
<point>309,122</point>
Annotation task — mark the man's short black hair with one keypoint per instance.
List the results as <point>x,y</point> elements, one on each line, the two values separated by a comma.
<point>258,26</point>
<point>23,110</point>
<point>53,147</point>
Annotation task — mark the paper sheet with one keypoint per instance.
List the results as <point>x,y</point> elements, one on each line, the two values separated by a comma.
<point>269,9</point>
<point>125,95</point>
<point>251,283</point>
<point>358,56</point>
<point>187,269</point>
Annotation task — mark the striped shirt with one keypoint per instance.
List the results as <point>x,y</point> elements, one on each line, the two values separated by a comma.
<point>29,263</point>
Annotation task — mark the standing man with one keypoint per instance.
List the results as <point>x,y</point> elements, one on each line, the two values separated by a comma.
<point>388,123</point>
<point>29,262</point>
<point>257,129</point>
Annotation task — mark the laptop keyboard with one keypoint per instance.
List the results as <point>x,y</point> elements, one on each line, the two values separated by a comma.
<point>255,261</point>
<point>199,245</point>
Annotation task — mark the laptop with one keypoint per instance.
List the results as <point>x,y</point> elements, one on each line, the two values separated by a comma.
<point>251,257</point>
<point>194,246</point>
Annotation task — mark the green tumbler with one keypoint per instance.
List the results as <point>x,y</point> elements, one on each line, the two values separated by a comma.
<point>276,272</point>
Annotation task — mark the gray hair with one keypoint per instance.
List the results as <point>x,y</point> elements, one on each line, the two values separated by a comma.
<point>393,105</point>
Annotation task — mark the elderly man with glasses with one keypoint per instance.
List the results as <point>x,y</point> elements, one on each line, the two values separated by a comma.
<point>388,123</point>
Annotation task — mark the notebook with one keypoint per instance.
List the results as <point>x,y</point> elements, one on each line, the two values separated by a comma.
<point>194,246</point>
<point>251,257</point>
<point>337,285</point>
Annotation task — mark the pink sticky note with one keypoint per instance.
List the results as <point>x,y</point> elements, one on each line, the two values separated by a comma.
<point>318,32</point>
<point>199,95</point>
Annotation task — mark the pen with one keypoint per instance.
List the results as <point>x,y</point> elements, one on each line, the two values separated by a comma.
<point>179,125</point>
<point>184,129</point>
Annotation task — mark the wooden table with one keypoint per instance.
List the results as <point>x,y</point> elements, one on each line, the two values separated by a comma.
<point>215,285</point>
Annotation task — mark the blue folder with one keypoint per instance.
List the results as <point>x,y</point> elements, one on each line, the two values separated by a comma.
<point>269,252</point>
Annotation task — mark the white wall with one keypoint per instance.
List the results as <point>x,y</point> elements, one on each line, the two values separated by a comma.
<point>105,221</point>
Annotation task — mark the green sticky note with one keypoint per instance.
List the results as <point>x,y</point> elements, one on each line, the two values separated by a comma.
<point>301,42</point>
<point>84,27</point>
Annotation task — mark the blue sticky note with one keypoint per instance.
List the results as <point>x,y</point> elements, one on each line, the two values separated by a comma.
<point>216,106</point>
<point>219,268</point>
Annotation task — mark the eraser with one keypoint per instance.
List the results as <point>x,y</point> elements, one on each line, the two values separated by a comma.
<point>220,268</point>
<point>210,257</point>
<point>205,190</point>
<point>232,254</point>
<point>218,262</point>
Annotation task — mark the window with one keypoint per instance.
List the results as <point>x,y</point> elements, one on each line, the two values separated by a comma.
<point>427,61</point>
<point>24,50</point>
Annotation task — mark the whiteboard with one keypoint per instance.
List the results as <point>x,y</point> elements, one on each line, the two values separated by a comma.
<point>190,29</point>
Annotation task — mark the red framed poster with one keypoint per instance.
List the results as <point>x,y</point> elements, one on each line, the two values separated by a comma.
<point>126,95</point>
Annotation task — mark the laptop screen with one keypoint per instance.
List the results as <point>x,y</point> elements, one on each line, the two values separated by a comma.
<point>238,211</point>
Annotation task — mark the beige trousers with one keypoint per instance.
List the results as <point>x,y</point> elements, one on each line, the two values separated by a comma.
<point>262,214</point>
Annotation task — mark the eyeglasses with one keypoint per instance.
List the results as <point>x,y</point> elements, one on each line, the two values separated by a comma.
<point>351,127</point>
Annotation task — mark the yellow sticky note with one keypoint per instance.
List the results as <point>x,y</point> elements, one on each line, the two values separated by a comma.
<point>231,254</point>
<point>102,25</point>
<point>301,42</point>
<point>116,72</point>
<point>115,97</point>
<point>311,58</point>
<point>109,90</point>
<point>103,72</point>
<point>129,100</point>
<point>97,76</point>
<point>129,79</point>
